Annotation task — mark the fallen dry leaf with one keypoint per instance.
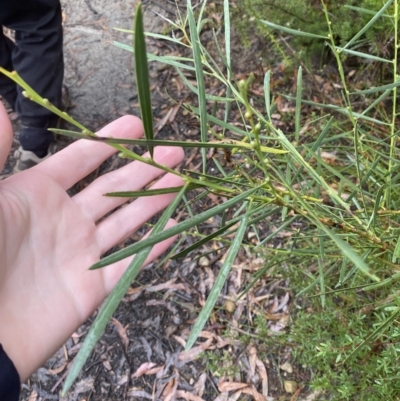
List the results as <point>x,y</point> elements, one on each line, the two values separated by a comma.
<point>200,385</point>
<point>192,354</point>
<point>121,332</point>
<point>58,370</point>
<point>264,377</point>
<point>252,360</point>
<point>143,369</point>
<point>277,316</point>
<point>281,324</point>
<point>107,365</point>
<point>206,334</point>
<point>254,393</point>
<point>155,370</point>
<point>169,285</point>
<point>223,342</point>
<point>180,340</point>
<point>284,301</point>
<point>231,386</point>
<point>223,397</point>
<point>171,388</point>
<point>84,385</point>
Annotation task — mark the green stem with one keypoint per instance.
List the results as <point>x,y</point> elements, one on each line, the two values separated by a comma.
<point>393,135</point>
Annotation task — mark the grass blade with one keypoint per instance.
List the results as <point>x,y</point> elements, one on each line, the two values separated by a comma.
<point>307,167</point>
<point>294,32</point>
<point>370,23</point>
<point>149,192</point>
<point>375,333</point>
<point>342,110</point>
<point>113,300</point>
<point>183,226</point>
<point>142,76</point>
<point>219,283</point>
<point>267,93</point>
<point>208,97</point>
<point>378,88</point>
<point>363,10</point>
<point>194,36</point>
<point>298,102</point>
<point>202,241</point>
<point>227,30</point>
<point>363,55</point>
<point>153,35</point>
<point>348,252</point>
<point>229,144</point>
<point>396,253</point>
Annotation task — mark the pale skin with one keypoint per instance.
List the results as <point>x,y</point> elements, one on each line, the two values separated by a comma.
<point>48,239</point>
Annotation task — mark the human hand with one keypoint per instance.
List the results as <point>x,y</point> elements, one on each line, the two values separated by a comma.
<point>48,239</point>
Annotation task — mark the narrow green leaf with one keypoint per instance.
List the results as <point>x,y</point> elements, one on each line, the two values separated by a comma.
<point>396,253</point>
<point>170,60</point>
<point>260,273</point>
<point>219,283</point>
<point>298,102</point>
<point>316,145</point>
<point>363,55</point>
<point>376,101</point>
<point>377,88</point>
<point>199,22</point>
<point>372,287</point>
<point>194,36</point>
<point>377,204</point>
<point>299,158</point>
<point>364,180</point>
<point>275,232</point>
<point>170,232</point>
<point>142,76</point>
<point>267,93</point>
<point>375,333</point>
<point>195,91</point>
<point>161,142</point>
<point>227,226</point>
<point>348,252</point>
<point>370,23</point>
<point>294,32</point>
<point>364,10</point>
<point>342,110</point>
<point>202,241</point>
<point>149,192</point>
<point>113,300</point>
<point>153,35</point>
<point>221,123</point>
<point>227,31</point>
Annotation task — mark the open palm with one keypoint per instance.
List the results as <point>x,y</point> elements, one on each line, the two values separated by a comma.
<point>48,239</point>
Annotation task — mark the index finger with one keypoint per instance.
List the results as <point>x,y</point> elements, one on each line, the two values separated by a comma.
<point>79,159</point>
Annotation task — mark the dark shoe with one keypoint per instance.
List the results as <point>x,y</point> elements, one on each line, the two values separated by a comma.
<point>26,159</point>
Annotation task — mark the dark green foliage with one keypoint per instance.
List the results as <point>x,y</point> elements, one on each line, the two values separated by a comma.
<point>308,15</point>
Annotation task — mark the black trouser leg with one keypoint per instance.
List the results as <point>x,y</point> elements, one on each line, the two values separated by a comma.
<point>38,59</point>
<point>8,89</point>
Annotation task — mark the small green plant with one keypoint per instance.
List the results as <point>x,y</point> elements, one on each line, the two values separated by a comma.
<point>221,364</point>
<point>336,191</point>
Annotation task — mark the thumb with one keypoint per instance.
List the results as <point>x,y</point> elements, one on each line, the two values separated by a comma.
<point>6,134</point>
